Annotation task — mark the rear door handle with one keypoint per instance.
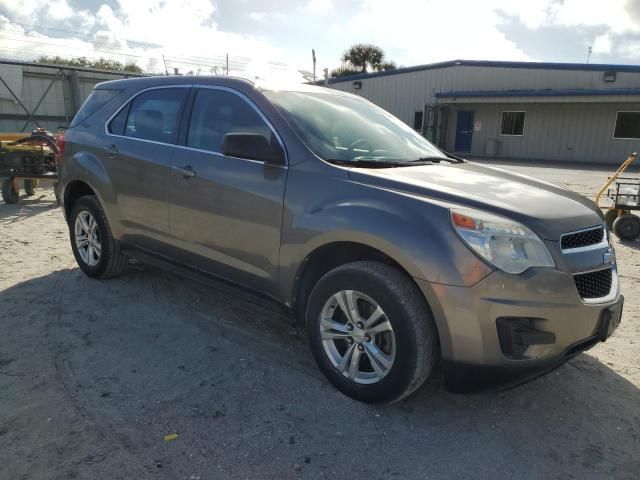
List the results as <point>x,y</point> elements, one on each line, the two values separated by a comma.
<point>186,171</point>
<point>111,150</point>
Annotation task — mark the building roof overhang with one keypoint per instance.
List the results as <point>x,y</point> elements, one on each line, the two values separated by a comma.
<point>540,96</point>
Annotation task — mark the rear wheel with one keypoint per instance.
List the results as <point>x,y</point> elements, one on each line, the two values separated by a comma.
<point>10,191</point>
<point>371,332</point>
<point>610,217</point>
<point>96,251</point>
<point>627,227</point>
<point>30,186</point>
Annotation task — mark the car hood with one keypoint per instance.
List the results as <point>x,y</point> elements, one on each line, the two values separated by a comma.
<point>547,209</point>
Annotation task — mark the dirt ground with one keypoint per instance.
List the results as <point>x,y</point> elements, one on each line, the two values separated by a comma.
<point>94,375</point>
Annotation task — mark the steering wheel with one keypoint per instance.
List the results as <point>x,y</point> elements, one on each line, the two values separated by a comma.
<point>362,141</point>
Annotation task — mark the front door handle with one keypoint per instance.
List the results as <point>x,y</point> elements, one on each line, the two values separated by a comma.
<point>186,171</point>
<point>111,150</point>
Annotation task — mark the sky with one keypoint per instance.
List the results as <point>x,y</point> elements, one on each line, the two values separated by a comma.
<point>274,38</point>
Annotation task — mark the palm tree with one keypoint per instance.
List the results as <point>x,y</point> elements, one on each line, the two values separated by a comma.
<point>361,56</point>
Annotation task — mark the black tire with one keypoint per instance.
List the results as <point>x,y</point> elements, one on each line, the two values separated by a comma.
<point>627,227</point>
<point>111,262</point>
<point>610,217</point>
<point>9,194</point>
<point>416,338</point>
<point>30,186</point>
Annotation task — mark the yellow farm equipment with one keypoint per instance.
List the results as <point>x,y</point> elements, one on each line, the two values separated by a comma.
<point>624,192</point>
<point>28,159</point>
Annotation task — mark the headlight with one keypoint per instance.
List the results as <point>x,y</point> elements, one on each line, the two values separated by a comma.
<point>508,245</point>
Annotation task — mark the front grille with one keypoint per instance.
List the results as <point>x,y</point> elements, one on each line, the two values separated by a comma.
<point>594,284</point>
<point>585,238</point>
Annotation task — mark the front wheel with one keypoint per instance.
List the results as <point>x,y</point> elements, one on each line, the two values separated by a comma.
<point>96,251</point>
<point>627,227</point>
<point>10,192</point>
<point>371,332</point>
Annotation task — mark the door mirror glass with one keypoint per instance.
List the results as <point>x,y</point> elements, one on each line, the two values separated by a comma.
<point>252,146</point>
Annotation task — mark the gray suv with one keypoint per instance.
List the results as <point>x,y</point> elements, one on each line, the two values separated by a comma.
<point>397,256</point>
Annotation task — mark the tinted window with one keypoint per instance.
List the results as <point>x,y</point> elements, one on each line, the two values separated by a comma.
<point>217,113</point>
<point>627,125</point>
<point>512,123</point>
<point>96,100</point>
<point>154,115</point>
<point>119,121</point>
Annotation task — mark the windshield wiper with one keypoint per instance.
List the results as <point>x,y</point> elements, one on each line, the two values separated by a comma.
<point>441,159</point>
<point>379,163</point>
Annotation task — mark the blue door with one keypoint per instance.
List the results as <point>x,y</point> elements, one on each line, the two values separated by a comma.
<point>464,131</point>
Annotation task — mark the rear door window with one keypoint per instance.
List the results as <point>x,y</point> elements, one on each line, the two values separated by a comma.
<point>94,102</point>
<point>153,115</point>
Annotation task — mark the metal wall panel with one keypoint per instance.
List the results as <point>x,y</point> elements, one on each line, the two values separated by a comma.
<point>56,108</point>
<point>566,132</point>
<point>558,130</point>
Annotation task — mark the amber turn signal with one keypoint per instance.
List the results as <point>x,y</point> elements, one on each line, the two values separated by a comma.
<point>462,221</point>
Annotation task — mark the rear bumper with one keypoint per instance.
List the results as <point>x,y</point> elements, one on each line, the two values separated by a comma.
<point>544,311</point>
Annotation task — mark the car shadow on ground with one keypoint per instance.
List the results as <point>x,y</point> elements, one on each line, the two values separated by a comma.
<point>117,365</point>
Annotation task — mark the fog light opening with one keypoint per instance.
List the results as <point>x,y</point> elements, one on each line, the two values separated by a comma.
<point>517,334</point>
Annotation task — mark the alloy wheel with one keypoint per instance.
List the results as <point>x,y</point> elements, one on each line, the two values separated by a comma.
<point>87,238</point>
<point>357,337</point>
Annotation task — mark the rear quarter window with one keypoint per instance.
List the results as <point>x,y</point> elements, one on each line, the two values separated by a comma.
<point>94,102</point>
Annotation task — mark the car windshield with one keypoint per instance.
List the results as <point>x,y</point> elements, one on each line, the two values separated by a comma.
<point>350,129</point>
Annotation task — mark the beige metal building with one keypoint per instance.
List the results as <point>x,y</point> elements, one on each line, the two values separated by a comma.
<point>517,110</point>
<point>33,96</point>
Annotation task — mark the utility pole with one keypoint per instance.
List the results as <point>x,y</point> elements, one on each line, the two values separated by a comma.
<point>589,54</point>
<point>313,56</point>
<point>166,72</point>
<point>227,64</point>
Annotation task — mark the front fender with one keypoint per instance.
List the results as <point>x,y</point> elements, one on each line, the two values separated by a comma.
<point>414,232</point>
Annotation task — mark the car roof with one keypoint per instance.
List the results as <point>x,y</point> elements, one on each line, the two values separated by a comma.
<point>160,80</point>
<point>238,83</point>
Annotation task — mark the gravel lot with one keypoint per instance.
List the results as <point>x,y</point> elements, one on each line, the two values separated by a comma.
<point>94,375</point>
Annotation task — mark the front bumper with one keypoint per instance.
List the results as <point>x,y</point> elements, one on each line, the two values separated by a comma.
<point>473,350</point>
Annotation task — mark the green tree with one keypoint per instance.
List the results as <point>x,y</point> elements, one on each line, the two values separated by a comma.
<point>364,55</point>
<point>388,65</point>
<point>344,71</point>
<point>360,57</point>
<point>100,64</point>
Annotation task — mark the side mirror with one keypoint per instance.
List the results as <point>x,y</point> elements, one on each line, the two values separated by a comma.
<point>252,146</point>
